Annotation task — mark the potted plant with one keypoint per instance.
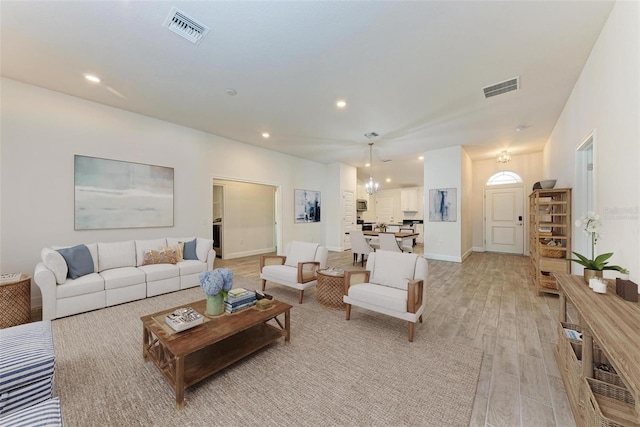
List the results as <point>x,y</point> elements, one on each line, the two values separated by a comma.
<point>594,266</point>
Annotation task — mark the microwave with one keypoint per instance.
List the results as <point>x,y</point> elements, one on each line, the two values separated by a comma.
<point>361,205</point>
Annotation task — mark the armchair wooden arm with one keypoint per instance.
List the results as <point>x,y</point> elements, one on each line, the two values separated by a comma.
<point>271,260</point>
<point>355,277</point>
<point>414,295</point>
<point>307,271</point>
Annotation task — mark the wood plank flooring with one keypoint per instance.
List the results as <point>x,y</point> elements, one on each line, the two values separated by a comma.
<point>488,302</point>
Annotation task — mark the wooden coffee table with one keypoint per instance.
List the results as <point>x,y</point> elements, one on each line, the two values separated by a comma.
<point>187,357</point>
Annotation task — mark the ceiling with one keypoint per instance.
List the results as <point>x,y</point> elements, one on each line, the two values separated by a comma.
<point>412,72</point>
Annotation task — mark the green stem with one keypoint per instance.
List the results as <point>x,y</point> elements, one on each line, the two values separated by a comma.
<point>593,246</point>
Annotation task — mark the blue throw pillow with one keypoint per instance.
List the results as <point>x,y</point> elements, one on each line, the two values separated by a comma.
<point>190,250</point>
<point>79,260</point>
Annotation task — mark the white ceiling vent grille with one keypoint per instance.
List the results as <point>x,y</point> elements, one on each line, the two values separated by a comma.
<point>502,87</point>
<point>185,26</point>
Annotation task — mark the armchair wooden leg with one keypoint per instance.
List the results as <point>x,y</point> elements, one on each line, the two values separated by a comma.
<point>411,325</point>
<point>264,283</point>
<point>348,311</point>
<point>420,318</point>
<point>300,295</point>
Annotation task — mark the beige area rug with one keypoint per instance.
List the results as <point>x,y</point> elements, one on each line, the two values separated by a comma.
<point>334,372</point>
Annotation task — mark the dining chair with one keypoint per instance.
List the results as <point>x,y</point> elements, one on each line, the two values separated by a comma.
<point>388,242</point>
<point>359,246</point>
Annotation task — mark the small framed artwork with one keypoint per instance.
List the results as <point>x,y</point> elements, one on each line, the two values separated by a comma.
<point>307,206</point>
<point>443,205</point>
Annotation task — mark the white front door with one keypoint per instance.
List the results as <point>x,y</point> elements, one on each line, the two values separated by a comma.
<point>504,220</point>
<point>348,217</point>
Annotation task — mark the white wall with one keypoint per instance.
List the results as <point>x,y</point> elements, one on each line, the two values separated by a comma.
<point>528,166</point>
<point>605,99</point>
<point>442,169</point>
<point>42,130</point>
<point>466,205</point>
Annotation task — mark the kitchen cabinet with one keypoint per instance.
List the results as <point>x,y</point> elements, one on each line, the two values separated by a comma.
<point>409,200</point>
<point>361,193</point>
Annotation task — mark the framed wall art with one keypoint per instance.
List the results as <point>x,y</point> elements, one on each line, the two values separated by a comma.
<point>443,205</point>
<point>307,206</point>
<point>118,194</point>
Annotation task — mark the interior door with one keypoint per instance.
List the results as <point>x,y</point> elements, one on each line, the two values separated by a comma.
<point>504,220</point>
<point>348,217</point>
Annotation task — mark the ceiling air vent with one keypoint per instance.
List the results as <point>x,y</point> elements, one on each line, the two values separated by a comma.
<point>502,87</point>
<point>371,135</point>
<point>185,26</point>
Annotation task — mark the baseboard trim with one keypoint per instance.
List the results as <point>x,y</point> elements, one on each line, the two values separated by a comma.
<point>477,249</point>
<point>438,257</point>
<point>467,254</point>
<point>248,253</point>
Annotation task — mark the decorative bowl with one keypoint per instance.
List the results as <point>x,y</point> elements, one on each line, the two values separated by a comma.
<point>548,183</point>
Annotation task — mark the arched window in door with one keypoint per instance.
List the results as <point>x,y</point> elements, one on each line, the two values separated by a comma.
<point>504,177</point>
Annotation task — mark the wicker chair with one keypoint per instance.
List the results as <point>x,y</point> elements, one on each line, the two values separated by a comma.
<point>393,284</point>
<point>296,268</point>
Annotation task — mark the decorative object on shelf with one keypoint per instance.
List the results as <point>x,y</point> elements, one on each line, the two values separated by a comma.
<point>546,184</point>
<point>627,289</point>
<point>216,284</point>
<point>503,157</point>
<point>595,265</point>
<point>371,187</point>
<point>599,286</point>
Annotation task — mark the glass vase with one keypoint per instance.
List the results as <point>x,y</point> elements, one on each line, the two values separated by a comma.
<point>215,305</point>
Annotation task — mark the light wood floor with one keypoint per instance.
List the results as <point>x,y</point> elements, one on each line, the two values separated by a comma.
<point>488,302</point>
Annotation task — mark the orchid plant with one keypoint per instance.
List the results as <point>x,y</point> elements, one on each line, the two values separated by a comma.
<point>592,225</point>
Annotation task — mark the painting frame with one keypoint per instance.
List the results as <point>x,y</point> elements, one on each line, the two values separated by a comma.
<point>307,204</point>
<point>443,205</point>
<point>117,194</point>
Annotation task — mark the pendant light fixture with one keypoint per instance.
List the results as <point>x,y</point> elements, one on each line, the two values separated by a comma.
<point>503,157</point>
<point>371,187</point>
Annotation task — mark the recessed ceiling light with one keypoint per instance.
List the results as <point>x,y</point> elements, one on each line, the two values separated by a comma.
<point>388,179</point>
<point>341,103</point>
<point>265,134</point>
<point>366,165</point>
<point>92,78</point>
<point>421,158</point>
<point>231,91</point>
<point>520,128</point>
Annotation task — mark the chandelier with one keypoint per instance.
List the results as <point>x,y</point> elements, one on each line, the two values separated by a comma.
<point>371,187</point>
<point>503,157</point>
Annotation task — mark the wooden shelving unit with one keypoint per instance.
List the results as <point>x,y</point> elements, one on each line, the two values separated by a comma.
<point>610,336</point>
<point>549,221</point>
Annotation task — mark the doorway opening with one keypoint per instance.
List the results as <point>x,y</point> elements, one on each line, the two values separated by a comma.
<point>504,224</point>
<point>584,196</point>
<point>246,218</point>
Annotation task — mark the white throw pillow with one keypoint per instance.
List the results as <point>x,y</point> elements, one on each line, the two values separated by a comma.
<point>56,263</point>
<point>115,255</point>
<point>202,248</point>
<point>143,246</point>
<point>301,252</point>
<point>394,269</point>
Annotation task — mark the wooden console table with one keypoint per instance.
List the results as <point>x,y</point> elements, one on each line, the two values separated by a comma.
<point>613,324</point>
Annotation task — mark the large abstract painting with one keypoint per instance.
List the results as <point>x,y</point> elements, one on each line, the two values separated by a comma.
<point>307,206</point>
<point>117,194</point>
<point>443,205</point>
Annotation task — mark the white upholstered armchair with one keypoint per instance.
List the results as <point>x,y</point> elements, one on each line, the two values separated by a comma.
<point>296,268</point>
<point>393,284</point>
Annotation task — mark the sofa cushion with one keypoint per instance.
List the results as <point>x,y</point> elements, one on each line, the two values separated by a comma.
<point>382,296</point>
<point>143,246</point>
<point>120,277</point>
<point>45,413</point>
<point>179,248</point>
<point>282,272</point>
<point>190,266</point>
<point>203,246</point>
<point>190,250</point>
<point>55,262</point>
<point>393,269</point>
<point>162,256</point>
<point>93,249</point>
<point>300,252</point>
<point>86,284</point>
<point>155,272</point>
<point>79,261</point>
<point>116,255</point>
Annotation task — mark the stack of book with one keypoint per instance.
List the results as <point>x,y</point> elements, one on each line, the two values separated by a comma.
<point>184,318</point>
<point>238,299</point>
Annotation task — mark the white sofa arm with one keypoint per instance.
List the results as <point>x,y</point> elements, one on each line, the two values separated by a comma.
<point>46,281</point>
<point>211,256</point>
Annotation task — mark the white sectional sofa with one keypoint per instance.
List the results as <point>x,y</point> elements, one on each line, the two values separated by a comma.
<point>73,280</point>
